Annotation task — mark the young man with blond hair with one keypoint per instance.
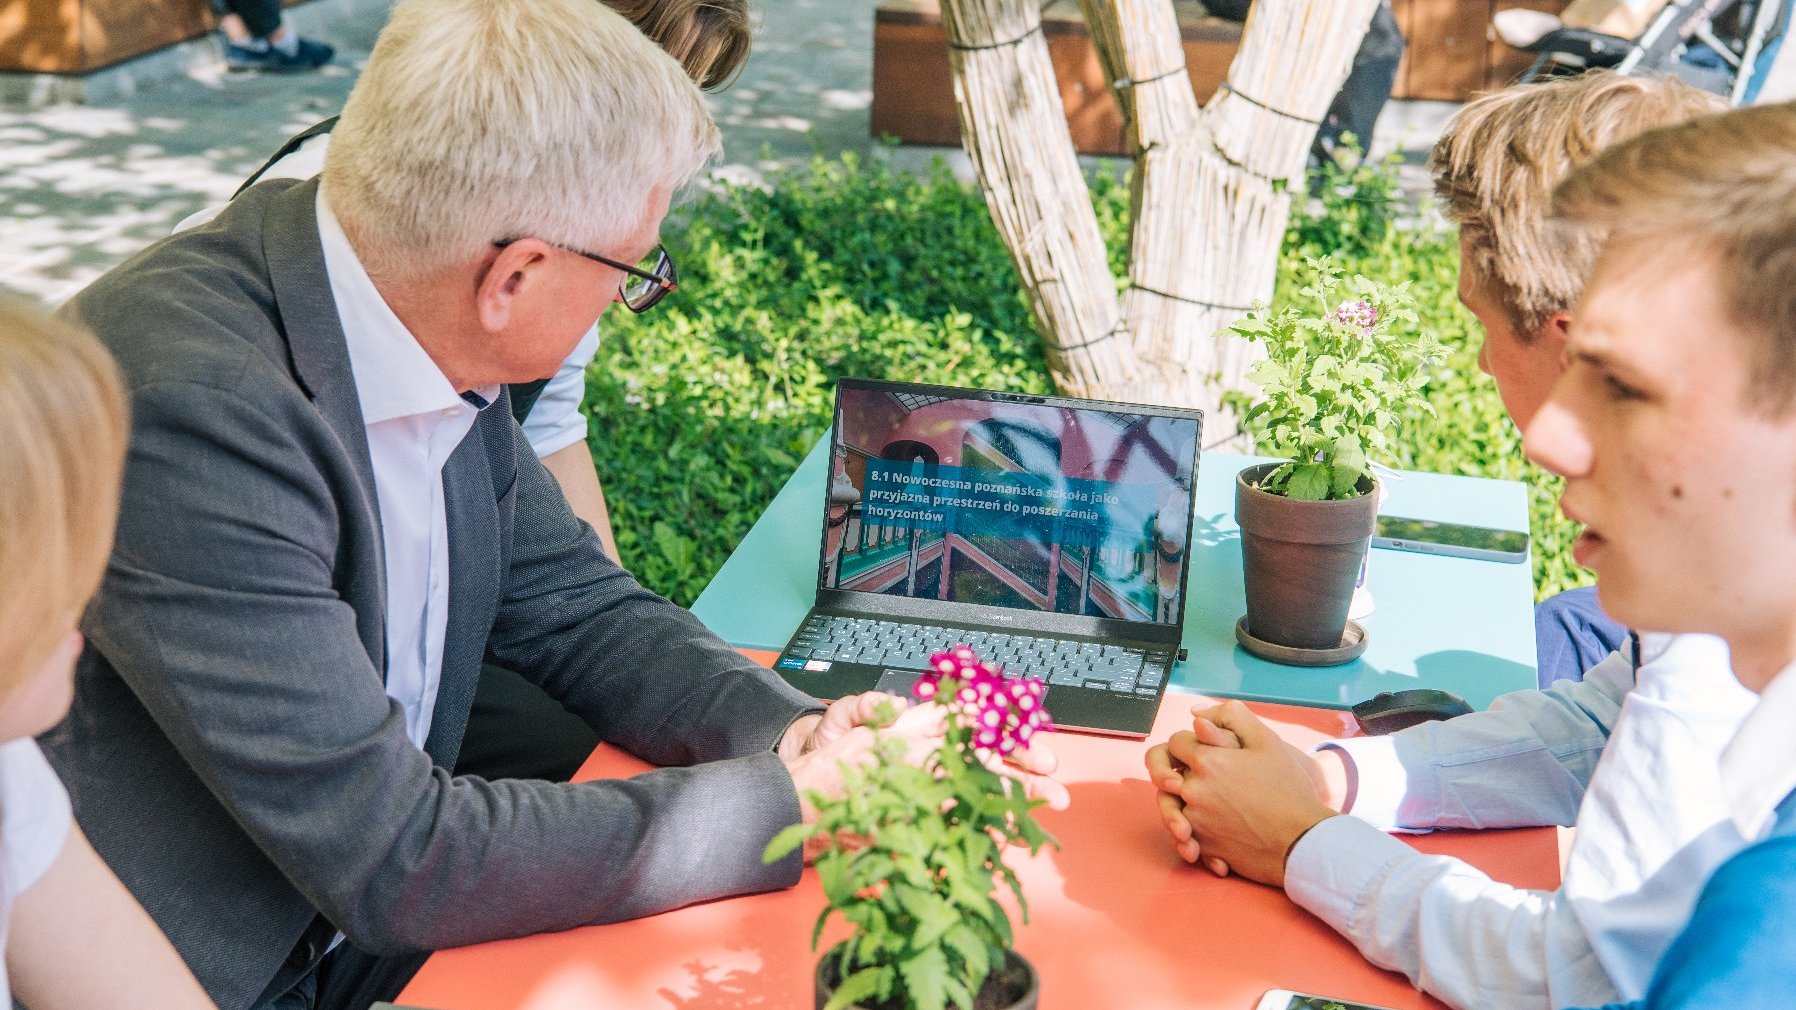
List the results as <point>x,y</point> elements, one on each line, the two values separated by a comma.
<point>1674,426</point>
<point>1494,170</point>
<point>1629,753</point>
<point>330,517</point>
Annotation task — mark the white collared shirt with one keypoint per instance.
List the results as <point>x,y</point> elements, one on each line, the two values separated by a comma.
<point>1633,756</point>
<point>1758,769</point>
<point>558,419</point>
<point>414,419</point>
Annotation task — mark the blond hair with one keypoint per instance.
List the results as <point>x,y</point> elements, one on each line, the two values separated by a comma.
<point>1722,187</point>
<point>710,38</point>
<point>1496,164</point>
<point>63,429</point>
<point>482,120</point>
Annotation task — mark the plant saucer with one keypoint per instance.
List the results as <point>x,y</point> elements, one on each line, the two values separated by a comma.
<point>1353,642</point>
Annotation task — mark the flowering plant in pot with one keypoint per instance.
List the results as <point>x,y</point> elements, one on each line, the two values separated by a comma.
<point>1344,366</point>
<point>913,854</point>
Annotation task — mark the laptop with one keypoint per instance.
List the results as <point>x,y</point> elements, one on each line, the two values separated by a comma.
<point>1050,534</point>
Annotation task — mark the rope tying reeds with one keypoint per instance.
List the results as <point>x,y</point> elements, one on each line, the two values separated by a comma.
<point>1109,334</point>
<point>1188,300</point>
<point>1019,40</point>
<point>1124,83</point>
<point>1251,100</point>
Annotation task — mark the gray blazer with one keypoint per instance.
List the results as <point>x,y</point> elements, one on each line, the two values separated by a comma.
<point>232,752</point>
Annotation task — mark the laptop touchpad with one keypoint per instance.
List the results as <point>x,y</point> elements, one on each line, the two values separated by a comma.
<point>898,682</point>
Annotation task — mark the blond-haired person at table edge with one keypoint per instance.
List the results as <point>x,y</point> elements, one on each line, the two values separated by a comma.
<point>74,938</point>
<point>330,518</point>
<point>1630,753</point>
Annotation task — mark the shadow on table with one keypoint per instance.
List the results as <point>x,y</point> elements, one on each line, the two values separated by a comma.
<point>732,989</point>
<point>1462,665</point>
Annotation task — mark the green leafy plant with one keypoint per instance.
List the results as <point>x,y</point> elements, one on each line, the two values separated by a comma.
<point>702,408</point>
<point>1338,382</point>
<point>917,877</point>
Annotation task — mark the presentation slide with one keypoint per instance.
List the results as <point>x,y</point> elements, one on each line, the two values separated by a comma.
<point>1013,505</point>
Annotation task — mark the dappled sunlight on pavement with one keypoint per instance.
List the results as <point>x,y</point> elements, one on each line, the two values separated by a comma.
<point>82,188</point>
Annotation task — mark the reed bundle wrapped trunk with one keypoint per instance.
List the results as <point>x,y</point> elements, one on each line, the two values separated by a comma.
<point>1213,204</point>
<point>1210,199</point>
<point>1014,128</point>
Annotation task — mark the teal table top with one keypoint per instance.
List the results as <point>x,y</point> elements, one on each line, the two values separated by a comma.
<point>1450,623</point>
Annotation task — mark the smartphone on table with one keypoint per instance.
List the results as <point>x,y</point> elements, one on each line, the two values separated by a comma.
<point>1285,999</point>
<point>1427,536</point>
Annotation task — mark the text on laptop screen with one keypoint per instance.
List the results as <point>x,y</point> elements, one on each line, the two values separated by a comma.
<point>1020,505</point>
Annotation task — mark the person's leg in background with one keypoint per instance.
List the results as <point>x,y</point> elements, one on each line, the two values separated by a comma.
<point>257,37</point>
<point>1367,88</point>
<point>1572,634</point>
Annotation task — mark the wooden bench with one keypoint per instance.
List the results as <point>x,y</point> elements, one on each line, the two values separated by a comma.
<point>82,36</point>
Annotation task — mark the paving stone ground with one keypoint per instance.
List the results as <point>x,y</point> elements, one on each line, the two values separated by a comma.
<point>82,187</point>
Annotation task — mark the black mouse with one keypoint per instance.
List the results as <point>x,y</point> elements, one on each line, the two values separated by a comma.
<point>1395,710</point>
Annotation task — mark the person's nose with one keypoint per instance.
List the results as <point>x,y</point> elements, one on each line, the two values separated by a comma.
<point>1556,437</point>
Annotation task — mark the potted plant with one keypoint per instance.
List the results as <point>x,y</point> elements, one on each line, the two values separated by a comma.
<point>913,854</point>
<point>1344,366</point>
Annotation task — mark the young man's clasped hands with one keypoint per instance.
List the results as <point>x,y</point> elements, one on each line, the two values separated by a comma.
<point>1253,793</point>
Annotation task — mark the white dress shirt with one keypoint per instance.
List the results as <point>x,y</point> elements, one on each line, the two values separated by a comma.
<point>1758,769</point>
<point>414,420</point>
<point>558,419</point>
<point>1636,762</point>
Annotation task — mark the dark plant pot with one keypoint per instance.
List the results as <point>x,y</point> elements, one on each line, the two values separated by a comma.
<point>1012,986</point>
<point>1300,559</point>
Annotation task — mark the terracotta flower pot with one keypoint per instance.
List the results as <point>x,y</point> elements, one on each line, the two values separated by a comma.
<point>1300,559</point>
<point>1011,986</point>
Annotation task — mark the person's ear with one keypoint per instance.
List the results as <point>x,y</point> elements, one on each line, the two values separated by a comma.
<point>1554,335</point>
<point>513,274</point>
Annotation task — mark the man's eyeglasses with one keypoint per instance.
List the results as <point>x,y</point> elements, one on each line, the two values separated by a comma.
<point>642,285</point>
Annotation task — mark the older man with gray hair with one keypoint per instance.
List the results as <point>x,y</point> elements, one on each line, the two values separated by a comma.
<point>329,514</point>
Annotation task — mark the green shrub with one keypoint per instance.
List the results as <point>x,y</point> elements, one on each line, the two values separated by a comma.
<point>702,408</point>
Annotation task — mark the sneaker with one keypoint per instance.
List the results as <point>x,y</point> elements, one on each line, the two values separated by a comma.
<point>307,55</point>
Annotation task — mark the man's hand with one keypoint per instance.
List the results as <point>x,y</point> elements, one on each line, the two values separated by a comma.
<point>816,747</point>
<point>809,732</point>
<point>1238,796</point>
<point>1168,776</point>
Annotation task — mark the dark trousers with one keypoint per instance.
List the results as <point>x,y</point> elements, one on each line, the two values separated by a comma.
<point>261,17</point>
<point>1368,86</point>
<point>348,979</point>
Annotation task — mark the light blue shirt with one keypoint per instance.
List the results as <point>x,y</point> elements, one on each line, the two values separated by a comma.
<point>1633,760</point>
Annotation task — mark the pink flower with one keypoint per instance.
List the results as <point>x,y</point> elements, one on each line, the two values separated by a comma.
<point>1359,314</point>
<point>1002,715</point>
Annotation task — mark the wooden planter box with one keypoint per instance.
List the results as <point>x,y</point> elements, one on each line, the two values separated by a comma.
<point>81,36</point>
<point>1453,54</point>
<point>913,91</point>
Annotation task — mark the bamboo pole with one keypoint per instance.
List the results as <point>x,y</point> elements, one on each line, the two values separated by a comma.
<point>1015,132</point>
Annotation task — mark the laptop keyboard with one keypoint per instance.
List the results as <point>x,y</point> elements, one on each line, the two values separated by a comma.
<point>1060,662</point>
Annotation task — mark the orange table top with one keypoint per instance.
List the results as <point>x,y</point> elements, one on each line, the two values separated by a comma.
<point>1115,917</point>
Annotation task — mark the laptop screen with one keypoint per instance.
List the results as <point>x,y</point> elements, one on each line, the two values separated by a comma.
<point>985,498</point>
